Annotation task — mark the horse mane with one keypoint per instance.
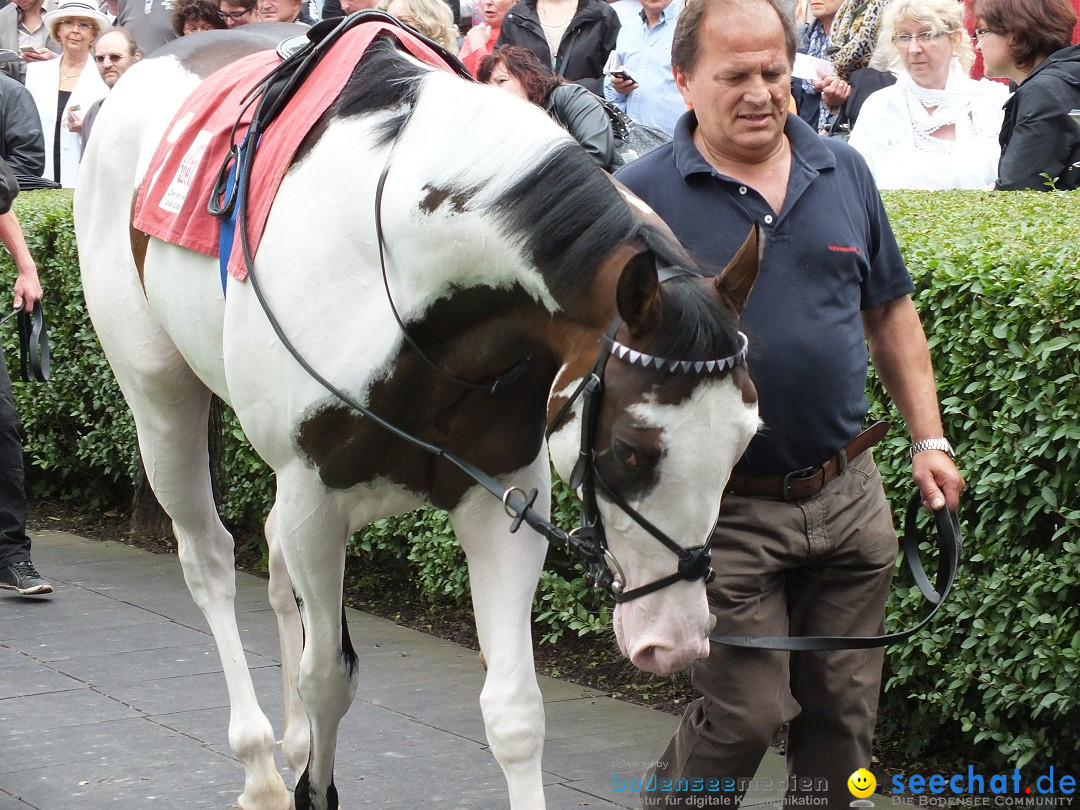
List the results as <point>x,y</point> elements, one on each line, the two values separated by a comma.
<point>384,79</point>
<point>562,210</point>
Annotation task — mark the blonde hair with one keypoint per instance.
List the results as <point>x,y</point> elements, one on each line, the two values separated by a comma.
<point>434,20</point>
<point>938,15</point>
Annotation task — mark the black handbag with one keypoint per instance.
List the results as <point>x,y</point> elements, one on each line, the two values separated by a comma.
<point>632,140</point>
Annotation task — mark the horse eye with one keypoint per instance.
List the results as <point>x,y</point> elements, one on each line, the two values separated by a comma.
<point>625,453</point>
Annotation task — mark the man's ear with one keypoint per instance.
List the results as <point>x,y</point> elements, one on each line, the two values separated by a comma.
<point>682,81</point>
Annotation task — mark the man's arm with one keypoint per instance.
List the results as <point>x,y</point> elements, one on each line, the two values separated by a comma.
<point>902,359</point>
<point>27,286</point>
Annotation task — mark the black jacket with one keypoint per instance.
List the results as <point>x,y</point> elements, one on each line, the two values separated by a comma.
<point>583,115</point>
<point>584,49</point>
<point>1037,135</point>
<point>22,144</point>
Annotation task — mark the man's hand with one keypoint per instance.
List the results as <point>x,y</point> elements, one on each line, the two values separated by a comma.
<point>622,86</point>
<point>40,55</point>
<point>938,480</point>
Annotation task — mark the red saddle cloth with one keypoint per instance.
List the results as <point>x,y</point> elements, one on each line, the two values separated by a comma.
<point>171,204</point>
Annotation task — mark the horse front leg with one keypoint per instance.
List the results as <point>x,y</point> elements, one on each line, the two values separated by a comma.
<point>295,737</point>
<point>312,531</point>
<point>504,569</point>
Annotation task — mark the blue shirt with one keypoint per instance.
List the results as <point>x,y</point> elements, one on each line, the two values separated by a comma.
<point>829,254</point>
<point>645,53</point>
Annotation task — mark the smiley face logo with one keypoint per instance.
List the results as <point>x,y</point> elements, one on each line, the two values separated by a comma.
<point>861,783</point>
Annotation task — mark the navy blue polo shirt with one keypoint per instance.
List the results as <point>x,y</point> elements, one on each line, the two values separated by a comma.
<point>829,255</point>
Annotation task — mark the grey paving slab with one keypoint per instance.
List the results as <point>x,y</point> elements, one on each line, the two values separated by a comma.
<point>8,802</point>
<point>27,677</point>
<point>72,707</point>
<point>116,686</point>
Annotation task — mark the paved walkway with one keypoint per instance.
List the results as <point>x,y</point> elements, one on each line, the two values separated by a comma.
<point>111,695</point>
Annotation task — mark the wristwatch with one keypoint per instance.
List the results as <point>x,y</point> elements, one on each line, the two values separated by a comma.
<point>932,444</point>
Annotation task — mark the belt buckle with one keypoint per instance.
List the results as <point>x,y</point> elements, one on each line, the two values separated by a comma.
<point>800,475</point>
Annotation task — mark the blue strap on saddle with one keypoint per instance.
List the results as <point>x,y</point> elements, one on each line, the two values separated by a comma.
<point>227,232</point>
<point>224,204</point>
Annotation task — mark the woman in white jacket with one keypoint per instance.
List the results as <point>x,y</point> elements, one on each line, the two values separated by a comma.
<point>936,128</point>
<point>66,85</point>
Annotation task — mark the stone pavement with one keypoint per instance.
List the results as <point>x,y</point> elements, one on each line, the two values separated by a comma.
<point>111,695</point>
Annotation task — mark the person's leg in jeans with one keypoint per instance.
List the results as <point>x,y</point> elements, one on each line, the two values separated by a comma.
<point>14,542</point>
<point>16,570</point>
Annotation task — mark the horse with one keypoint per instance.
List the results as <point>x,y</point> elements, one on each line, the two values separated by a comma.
<point>426,294</point>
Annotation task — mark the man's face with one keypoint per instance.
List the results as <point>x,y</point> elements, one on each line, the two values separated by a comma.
<point>113,56</point>
<point>740,87</point>
<point>279,10</point>
<point>235,15</point>
<point>28,5</point>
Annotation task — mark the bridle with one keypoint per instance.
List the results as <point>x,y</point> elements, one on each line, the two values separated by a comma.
<point>694,562</point>
<point>588,540</point>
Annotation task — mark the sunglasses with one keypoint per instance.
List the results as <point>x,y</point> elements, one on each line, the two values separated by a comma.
<point>109,57</point>
<point>235,16</point>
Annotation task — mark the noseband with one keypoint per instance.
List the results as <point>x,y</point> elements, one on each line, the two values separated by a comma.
<point>695,562</point>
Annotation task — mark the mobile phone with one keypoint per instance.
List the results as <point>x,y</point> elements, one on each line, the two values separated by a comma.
<point>75,108</point>
<point>622,74</point>
<point>28,49</point>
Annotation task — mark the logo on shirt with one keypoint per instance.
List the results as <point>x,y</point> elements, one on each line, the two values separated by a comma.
<point>845,249</point>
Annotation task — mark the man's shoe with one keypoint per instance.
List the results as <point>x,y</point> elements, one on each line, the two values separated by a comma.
<point>24,578</point>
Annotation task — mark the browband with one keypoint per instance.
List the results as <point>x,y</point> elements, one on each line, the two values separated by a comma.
<point>644,360</point>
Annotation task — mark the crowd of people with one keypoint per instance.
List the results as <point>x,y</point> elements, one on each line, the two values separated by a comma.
<point>751,92</point>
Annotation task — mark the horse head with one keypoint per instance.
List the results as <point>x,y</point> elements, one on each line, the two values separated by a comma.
<point>659,433</point>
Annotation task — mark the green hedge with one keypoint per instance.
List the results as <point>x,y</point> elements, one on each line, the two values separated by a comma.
<point>993,683</point>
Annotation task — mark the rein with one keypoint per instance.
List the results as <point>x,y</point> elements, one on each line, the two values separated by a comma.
<point>588,540</point>
<point>950,544</point>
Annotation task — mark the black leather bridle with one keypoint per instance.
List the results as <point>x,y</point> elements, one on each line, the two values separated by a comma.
<point>694,562</point>
<point>588,540</point>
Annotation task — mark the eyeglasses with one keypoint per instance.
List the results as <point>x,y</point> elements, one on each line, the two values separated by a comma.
<point>982,32</point>
<point>235,16</point>
<point>110,57</point>
<point>82,25</point>
<point>924,38</point>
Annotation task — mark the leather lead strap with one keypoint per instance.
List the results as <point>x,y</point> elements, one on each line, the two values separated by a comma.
<point>950,544</point>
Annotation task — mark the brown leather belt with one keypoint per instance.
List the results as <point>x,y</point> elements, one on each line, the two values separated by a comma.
<point>809,480</point>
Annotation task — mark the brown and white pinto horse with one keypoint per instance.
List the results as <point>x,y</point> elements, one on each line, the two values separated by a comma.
<point>504,247</point>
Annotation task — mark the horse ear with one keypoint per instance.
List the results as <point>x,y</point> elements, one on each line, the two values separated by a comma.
<point>737,279</point>
<point>638,294</point>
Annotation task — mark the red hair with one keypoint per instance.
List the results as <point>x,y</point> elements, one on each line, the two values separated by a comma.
<point>536,80</point>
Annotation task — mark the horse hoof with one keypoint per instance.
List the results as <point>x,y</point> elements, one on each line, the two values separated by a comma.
<point>241,804</point>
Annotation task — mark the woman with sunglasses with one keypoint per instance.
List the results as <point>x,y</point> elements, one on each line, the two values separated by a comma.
<point>61,87</point>
<point>936,128</point>
<point>1027,41</point>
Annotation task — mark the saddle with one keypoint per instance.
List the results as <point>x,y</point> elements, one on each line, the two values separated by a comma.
<point>237,132</point>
